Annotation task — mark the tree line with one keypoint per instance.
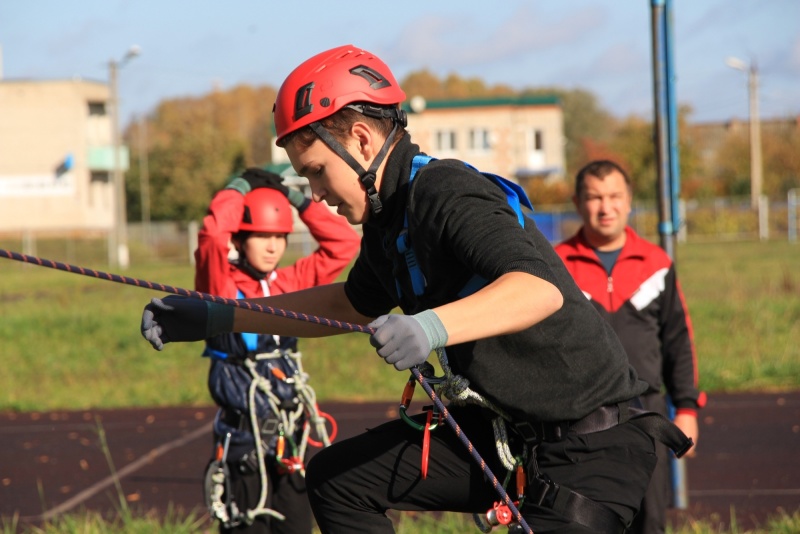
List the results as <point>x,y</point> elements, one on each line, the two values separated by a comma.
<point>193,145</point>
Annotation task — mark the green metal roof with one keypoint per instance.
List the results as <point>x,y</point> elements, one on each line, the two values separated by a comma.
<point>530,100</point>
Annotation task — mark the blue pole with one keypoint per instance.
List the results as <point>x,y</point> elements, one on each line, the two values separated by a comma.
<point>660,99</point>
<point>666,140</point>
<point>672,127</point>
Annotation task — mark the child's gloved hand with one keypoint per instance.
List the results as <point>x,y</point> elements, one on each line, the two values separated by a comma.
<point>407,340</point>
<point>176,318</point>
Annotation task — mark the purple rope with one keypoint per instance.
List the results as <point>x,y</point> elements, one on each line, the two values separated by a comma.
<point>183,292</point>
<point>290,315</point>
<point>451,422</point>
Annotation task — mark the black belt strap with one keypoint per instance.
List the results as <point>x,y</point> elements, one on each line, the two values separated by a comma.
<point>659,427</point>
<point>603,418</point>
<point>268,426</point>
<point>544,492</point>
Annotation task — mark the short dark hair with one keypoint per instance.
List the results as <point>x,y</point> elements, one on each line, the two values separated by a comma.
<point>600,168</point>
<point>338,125</point>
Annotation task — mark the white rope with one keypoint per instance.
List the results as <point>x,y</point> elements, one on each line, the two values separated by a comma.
<point>289,419</point>
<point>456,388</point>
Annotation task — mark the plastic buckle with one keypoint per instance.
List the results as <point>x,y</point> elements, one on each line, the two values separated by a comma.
<point>542,491</point>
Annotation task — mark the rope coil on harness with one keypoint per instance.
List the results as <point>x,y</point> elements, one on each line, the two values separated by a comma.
<point>505,499</point>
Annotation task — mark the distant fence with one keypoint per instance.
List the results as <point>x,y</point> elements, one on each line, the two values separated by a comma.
<point>719,219</point>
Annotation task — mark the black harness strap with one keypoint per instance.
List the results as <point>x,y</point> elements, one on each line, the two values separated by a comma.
<point>366,177</point>
<point>542,491</point>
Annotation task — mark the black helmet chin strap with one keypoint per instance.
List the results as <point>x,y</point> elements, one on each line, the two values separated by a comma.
<point>366,177</point>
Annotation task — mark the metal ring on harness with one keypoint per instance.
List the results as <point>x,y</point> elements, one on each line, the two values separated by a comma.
<point>408,394</point>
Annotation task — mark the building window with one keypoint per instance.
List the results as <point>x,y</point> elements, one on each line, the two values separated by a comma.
<point>100,177</point>
<point>479,140</point>
<point>445,140</point>
<point>538,140</point>
<point>97,109</point>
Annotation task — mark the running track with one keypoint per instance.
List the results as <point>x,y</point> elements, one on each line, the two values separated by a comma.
<point>748,458</point>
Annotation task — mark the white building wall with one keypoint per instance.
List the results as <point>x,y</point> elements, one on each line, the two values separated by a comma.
<point>42,123</point>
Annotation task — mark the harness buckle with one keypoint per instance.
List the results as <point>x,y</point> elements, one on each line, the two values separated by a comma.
<point>533,433</point>
<point>542,491</point>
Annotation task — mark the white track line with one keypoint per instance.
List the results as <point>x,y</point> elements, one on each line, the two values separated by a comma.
<point>125,471</point>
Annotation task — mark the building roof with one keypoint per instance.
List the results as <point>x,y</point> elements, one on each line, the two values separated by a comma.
<point>525,100</point>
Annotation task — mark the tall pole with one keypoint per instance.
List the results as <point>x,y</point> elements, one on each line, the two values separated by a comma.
<point>118,252</point>
<point>756,167</point>
<point>756,178</point>
<point>121,255</point>
<point>668,179</point>
<point>144,180</point>
<point>661,125</point>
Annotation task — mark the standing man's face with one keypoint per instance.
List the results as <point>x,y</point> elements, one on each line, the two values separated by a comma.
<point>604,204</point>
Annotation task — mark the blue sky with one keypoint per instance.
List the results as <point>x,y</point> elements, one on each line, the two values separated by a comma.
<point>188,48</point>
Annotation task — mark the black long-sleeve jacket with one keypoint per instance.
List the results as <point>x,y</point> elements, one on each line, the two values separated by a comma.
<point>460,225</point>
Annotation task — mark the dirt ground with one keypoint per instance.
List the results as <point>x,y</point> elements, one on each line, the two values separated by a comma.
<point>746,466</point>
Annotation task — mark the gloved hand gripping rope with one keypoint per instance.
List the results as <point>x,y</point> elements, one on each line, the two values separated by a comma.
<point>439,405</point>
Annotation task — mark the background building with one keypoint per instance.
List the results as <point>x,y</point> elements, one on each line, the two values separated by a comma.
<point>516,137</point>
<point>56,157</point>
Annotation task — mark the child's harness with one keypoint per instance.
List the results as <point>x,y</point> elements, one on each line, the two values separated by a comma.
<point>267,409</point>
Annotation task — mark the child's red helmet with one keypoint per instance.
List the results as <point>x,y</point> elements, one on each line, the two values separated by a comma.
<point>329,81</point>
<point>266,210</point>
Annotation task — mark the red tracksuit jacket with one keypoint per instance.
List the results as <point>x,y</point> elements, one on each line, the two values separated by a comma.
<point>644,304</point>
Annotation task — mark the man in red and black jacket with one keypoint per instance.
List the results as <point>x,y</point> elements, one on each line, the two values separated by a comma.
<point>632,284</point>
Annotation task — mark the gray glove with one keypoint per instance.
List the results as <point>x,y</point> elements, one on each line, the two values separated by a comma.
<point>406,340</point>
<point>176,318</point>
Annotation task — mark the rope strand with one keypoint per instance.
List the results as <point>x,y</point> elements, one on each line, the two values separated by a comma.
<point>290,315</point>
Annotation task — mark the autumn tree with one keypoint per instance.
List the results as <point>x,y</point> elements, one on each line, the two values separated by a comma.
<point>193,145</point>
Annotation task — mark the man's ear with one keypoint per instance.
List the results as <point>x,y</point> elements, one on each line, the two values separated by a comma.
<point>364,138</point>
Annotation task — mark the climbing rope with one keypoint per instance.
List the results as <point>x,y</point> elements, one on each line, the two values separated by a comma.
<point>498,487</point>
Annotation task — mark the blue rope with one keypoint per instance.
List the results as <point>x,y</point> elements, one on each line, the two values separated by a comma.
<point>287,314</point>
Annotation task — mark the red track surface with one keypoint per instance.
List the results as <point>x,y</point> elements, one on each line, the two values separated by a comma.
<point>52,463</point>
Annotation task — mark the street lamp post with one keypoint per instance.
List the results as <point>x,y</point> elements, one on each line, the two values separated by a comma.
<point>119,251</point>
<point>756,176</point>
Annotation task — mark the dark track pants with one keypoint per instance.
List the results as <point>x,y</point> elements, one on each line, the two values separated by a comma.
<point>352,483</point>
<point>652,518</point>
<point>287,495</point>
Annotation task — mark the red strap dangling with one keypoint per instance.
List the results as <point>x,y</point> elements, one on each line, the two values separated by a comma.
<point>426,445</point>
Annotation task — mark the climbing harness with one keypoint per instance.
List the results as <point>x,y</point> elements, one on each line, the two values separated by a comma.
<point>350,327</point>
<point>286,421</point>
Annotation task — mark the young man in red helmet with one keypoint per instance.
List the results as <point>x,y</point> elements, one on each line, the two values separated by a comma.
<point>520,337</point>
<point>245,491</point>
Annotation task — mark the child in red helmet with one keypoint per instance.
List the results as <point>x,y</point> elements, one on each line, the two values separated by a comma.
<point>534,373</point>
<point>247,491</point>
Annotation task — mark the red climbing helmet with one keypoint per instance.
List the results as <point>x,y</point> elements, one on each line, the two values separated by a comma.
<point>266,210</point>
<point>329,81</point>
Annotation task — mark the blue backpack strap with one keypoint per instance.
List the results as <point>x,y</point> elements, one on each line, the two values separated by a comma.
<point>515,195</point>
<point>418,281</point>
<point>516,198</point>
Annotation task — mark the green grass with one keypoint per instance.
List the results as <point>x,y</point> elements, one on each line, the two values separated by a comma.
<point>73,342</point>
<point>176,522</point>
<point>744,300</point>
